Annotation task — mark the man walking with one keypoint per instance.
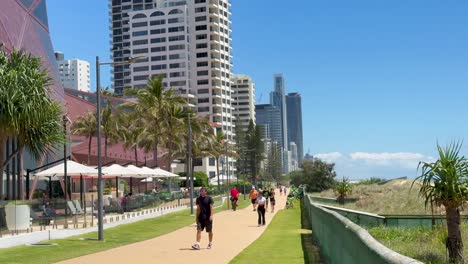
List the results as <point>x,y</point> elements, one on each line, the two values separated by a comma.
<point>204,218</point>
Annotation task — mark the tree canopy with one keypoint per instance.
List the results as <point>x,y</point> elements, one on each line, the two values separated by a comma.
<point>317,174</point>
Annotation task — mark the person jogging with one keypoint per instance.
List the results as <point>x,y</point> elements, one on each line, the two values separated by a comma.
<point>204,218</point>
<point>253,197</point>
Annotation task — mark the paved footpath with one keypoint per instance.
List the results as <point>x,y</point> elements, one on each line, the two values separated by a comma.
<point>233,232</point>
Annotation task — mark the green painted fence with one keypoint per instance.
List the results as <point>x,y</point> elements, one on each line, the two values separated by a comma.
<point>342,241</point>
<point>369,220</point>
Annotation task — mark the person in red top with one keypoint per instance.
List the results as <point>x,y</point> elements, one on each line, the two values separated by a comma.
<point>234,195</point>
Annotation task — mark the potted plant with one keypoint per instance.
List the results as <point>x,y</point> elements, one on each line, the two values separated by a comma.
<point>17,215</point>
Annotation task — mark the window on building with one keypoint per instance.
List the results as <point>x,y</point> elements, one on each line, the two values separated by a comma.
<point>211,162</point>
<point>202,82</point>
<point>140,33</point>
<point>201,36</point>
<point>200,18</point>
<point>201,27</point>
<point>202,45</point>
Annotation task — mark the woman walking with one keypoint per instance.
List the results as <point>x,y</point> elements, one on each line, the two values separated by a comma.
<point>261,202</point>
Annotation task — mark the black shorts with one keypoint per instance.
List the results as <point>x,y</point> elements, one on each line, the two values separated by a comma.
<point>253,201</point>
<point>272,201</point>
<point>205,224</point>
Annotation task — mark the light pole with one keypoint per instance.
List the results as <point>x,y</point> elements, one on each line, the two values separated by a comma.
<point>98,110</point>
<point>189,161</point>
<point>227,171</point>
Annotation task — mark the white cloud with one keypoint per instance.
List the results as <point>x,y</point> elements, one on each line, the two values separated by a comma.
<point>329,157</point>
<point>360,165</point>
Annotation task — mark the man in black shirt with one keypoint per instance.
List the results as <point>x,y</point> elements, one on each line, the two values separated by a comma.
<point>204,217</point>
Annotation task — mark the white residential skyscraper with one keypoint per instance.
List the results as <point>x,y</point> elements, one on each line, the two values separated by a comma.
<point>74,73</point>
<point>187,41</point>
<point>243,96</point>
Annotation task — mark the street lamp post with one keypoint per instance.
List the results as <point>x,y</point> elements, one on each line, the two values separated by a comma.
<point>227,172</point>
<point>189,162</point>
<point>98,110</point>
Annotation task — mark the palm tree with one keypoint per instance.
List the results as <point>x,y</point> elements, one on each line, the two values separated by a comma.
<point>109,127</point>
<point>26,110</point>
<point>86,125</point>
<point>445,182</point>
<point>174,132</point>
<point>153,103</point>
<point>202,140</point>
<point>218,150</point>
<point>130,131</point>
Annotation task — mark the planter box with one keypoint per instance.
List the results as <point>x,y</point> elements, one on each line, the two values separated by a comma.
<point>18,217</point>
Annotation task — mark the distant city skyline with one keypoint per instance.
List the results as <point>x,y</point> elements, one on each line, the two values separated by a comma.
<point>373,76</point>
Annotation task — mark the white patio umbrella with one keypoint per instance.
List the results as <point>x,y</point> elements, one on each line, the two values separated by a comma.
<point>119,171</point>
<point>73,169</point>
<point>160,173</point>
<point>141,173</point>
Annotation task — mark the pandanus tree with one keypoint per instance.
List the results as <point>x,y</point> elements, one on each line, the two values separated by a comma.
<point>342,188</point>
<point>445,182</point>
<point>27,113</point>
<point>86,125</point>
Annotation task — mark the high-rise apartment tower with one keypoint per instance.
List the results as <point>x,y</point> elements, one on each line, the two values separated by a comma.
<point>243,90</point>
<point>74,73</point>
<point>277,99</point>
<point>188,42</point>
<point>294,121</point>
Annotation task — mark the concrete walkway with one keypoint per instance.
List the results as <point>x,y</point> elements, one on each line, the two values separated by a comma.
<point>233,232</point>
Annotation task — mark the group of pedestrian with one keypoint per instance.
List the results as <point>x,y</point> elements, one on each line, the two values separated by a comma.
<point>204,217</point>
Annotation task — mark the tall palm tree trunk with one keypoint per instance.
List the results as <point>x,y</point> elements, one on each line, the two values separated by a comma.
<point>105,149</point>
<point>155,154</point>
<point>217,171</point>
<point>454,242</point>
<point>136,155</point>
<point>2,147</point>
<point>89,149</point>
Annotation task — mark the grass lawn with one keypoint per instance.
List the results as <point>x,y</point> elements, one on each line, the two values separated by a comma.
<point>424,244</point>
<point>282,242</point>
<point>114,237</point>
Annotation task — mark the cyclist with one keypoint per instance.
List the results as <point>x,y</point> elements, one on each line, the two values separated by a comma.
<point>234,197</point>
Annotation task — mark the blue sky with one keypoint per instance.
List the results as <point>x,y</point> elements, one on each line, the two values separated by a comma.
<point>381,81</point>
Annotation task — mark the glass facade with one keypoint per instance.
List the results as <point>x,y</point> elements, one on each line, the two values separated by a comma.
<point>32,16</point>
<point>294,121</point>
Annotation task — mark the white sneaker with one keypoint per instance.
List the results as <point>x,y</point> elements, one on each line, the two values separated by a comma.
<point>209,246</point>
<point>196,246</point>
